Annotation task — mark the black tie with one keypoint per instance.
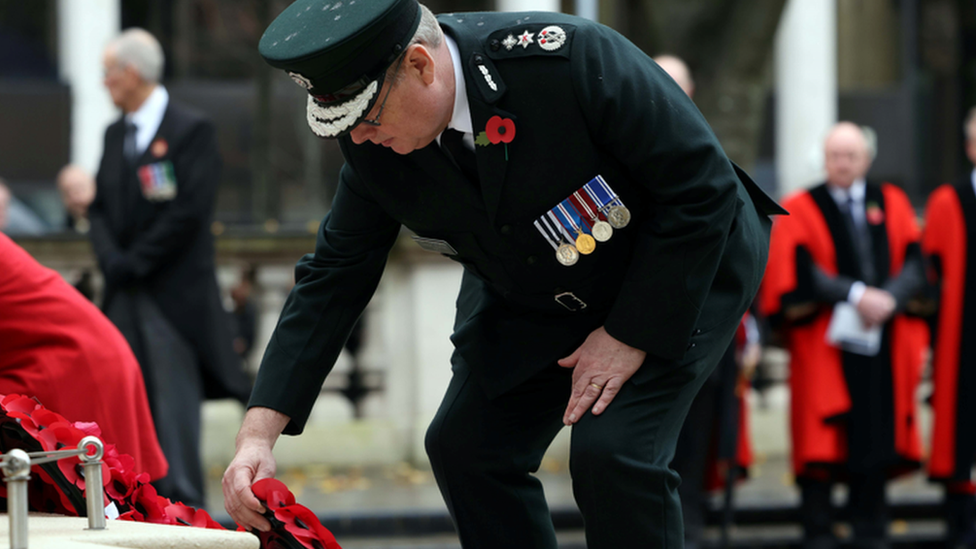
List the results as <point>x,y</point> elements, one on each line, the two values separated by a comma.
<point>129,145</point>
<point>862,241</point>
<point>452,143</point>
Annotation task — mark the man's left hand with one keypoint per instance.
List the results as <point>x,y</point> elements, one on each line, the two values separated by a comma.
<point>602,365</point>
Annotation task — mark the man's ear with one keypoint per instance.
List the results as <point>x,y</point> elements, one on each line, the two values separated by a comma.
<point>419,61</point>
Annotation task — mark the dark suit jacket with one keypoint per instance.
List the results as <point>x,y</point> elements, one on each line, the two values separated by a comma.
<point>690,260</point>
<point>163,245</point>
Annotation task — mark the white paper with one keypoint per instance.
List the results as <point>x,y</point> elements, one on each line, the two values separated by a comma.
<point>847,331</point>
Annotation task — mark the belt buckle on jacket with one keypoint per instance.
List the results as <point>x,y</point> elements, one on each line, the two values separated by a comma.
<point>570,301</point>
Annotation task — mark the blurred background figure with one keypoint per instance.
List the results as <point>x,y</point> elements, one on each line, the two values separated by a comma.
<point>16,219</point>
<point>150,228</point>
<point>245,312</point>
<point>847,241</point>
<point>59,348</point>
<point>77,189</point>
<point>950,233</point>
<point>678,70</point>
<point>713,447</point>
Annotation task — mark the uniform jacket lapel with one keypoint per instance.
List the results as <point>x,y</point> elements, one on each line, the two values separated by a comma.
<point>492,161</point>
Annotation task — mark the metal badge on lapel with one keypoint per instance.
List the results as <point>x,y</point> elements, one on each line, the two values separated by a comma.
<point>158,181</point>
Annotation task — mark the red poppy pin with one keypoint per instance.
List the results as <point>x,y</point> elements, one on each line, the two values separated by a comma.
<point>159,148</point>
<point>874,214</point>
<point>497,130</point>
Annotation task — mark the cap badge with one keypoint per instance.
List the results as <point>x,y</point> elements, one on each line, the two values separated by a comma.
<point>510,42</point>
<point>525,39</point>
<point>552,38</point>
<point>301,80</point>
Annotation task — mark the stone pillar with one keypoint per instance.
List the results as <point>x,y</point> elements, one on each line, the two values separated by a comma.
<point>806,90</point>
<point>84,28</point>
<point>527,5</point>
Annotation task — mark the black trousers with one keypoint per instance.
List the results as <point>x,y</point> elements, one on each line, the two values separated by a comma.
<point>175,390</point>
<point>866,509</point>
<point>484,451</point>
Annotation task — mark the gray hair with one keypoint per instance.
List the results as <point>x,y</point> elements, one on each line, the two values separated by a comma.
<point>428,33</point>
<point>969,126</point>
<point>139,49</point>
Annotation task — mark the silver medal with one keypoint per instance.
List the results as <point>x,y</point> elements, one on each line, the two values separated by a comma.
<point>602,231</point>
<point>618,216</point>
<point>567,254</point>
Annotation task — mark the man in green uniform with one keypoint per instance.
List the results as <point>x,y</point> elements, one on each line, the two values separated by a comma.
<point>609,250</point>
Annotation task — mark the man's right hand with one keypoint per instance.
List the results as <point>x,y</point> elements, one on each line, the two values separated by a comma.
<point>252,462</point>
<point>876,306</point>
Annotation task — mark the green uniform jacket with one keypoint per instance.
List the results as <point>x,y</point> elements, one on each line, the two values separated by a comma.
<point>690,260</point>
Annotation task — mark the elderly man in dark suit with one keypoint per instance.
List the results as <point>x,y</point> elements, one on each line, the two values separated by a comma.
<point>609,250</point>
<point>150,227</point>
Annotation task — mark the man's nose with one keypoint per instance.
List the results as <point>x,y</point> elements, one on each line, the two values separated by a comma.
<point>361,133</point>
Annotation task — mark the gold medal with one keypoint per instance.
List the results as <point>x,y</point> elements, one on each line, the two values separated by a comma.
<point>585,243</point>
<point>567,254</point>
<point>602,231</point>
<point>618,216</point>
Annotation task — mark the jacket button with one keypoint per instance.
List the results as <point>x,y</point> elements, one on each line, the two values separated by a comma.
<point>531,260</point>
<point>494,45</point>
<point>506,229</point>
<point>697,332</point>
<point>692,345</point>
<point>478,59</point>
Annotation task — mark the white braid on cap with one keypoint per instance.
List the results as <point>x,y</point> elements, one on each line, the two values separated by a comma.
<point>331,121</point>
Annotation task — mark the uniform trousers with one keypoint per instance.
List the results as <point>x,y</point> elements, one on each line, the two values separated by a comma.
<point>483,453</point>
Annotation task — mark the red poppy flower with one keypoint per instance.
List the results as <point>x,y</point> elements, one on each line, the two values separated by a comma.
<point>273,493</point>
<point>500,130</point>
<point>874,215</point>
<point>148,506</point>
<point>289,518</point>
<point>188,516</point>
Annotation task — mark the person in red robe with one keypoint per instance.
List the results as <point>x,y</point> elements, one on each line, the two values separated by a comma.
<point>853,415</point>
<point>950,229</point>
<point>57,346</point>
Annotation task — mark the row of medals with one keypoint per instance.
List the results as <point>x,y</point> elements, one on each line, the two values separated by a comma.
<point>618,216</point>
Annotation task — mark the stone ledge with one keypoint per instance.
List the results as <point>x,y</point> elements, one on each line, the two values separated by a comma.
<point>61,532</point>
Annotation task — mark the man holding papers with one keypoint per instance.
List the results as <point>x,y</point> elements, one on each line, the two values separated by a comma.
<point>848,249</point>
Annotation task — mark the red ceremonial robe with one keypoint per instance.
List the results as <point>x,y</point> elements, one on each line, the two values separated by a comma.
<point>819,381</point>
<point>947,240</point>
<point>58,347</point>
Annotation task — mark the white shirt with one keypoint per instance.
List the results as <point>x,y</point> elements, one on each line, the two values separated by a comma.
<point>973,179</point>
<point>461,117</point>
<point>856,192</point>
<point>148,117</point>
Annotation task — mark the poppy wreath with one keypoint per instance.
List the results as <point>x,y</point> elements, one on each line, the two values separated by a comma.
<point>59,487</point>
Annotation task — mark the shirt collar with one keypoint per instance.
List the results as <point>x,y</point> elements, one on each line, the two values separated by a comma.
<point>150,113</point>
<point>461,118</point>
<point>857,191</point>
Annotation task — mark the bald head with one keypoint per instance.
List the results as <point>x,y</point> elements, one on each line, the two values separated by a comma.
<point>847,154</point>
<point>77,188</point>
<point>677,70</point>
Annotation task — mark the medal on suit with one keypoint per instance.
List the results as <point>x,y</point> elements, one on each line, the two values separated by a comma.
<point>554,233</point>
<point>567,255</point>
<point>618,216</point>
<point>608,202</point>
<point>601,230</point>
<point>569,218</point>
